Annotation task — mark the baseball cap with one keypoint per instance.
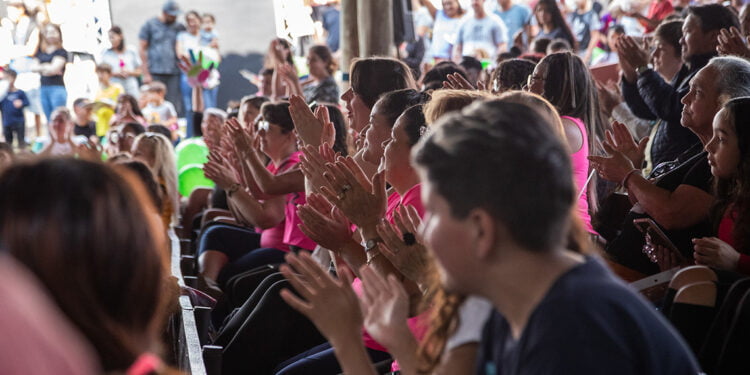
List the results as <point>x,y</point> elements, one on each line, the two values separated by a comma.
<point>172,8</point>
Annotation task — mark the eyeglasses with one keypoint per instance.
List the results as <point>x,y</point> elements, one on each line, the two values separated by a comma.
<point>532,78</point>
<point>262,125</point>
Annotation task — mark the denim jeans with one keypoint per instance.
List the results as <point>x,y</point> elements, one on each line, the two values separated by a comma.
<point>52,97</point>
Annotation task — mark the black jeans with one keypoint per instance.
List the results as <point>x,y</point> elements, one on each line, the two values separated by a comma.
<point>19,130</point>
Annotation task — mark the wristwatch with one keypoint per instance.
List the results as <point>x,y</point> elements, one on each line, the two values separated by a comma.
<point>233,189</point>
<point>643,68</point>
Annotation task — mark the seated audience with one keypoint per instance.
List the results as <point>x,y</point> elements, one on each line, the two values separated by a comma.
<point>675,195</point>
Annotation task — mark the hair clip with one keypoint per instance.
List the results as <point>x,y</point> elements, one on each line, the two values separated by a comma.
<point>423,130</point>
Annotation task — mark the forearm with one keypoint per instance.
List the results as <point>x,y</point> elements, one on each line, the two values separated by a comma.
<point>672,210</point>
<point>353,254</point>
<point>351,354</point>
<point>255,212</point>
<point>405,352</point>
<point>197,99</point>
<point>270,184</point>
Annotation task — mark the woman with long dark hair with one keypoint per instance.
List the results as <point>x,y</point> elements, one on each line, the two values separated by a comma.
<point>551,23</point>
<point>565,81</point>
<point>125,62</point>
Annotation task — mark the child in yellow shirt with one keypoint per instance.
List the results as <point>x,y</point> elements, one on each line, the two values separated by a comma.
<point>106,98</point>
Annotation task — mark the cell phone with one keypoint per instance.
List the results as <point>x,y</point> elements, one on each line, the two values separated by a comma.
<point>657,237</point>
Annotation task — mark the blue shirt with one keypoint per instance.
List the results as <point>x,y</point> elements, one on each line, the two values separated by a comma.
<point>11,114</point>
<point>588,323</point>
<point>515,18</point>
<point>161,39</point>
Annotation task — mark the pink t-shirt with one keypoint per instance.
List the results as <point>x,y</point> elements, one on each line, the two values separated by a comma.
<point>276,237</point>
<point>418,324</point>
<point>292,234</point>
<point>581,174</point>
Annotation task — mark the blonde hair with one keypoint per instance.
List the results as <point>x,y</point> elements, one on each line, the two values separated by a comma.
<point>541,105</point>
<point>444,101</point>
<point>164,168</point>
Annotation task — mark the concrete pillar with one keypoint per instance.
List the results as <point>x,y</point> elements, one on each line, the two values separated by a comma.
<point>375,28</point>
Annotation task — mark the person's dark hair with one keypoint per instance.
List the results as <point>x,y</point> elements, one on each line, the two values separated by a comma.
<point>392,104</point>
<point>99,258</point>
<point>159,129</point>
<point>735,191</point>
<point>617,29</point>
<point>136,128</point>
<point>714,17</point>
<point>266,72</point>
<point>117,30</point>
<point>670,33</point>
<point>133,103</point>
<point>558,21</point>
<point>568,85</point>
<point>434,78</point>
<point>502,139</point>
<point>511,75</point>
<point>254,100</point>
<point>469,62</point>
<point>373,76</point>
<point>278,113</point>
<point>416,125</point>
<point>558,45</point>
<point>146,176</point>
<point>325,54</point>
<point>506,56</point>
<point>11,73</point>
<point>539,45</point>
<point>339,124</point>
<point>233,114</point>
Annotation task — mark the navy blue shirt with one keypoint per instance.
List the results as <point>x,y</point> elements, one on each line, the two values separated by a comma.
<point>11,114</point>
<point>588,323</point>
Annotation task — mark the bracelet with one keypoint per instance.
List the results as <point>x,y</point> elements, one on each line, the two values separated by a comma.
<point>627,176</point>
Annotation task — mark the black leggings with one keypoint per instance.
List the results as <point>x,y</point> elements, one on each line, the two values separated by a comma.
<point>241,246</point>
<point>320,360</point>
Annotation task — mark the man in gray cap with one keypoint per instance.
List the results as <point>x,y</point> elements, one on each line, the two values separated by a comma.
<point>157,48</point>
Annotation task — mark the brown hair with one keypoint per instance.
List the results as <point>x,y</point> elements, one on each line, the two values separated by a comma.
<point>98,257</point>
<point>324,53</point>
<point>374,76</point>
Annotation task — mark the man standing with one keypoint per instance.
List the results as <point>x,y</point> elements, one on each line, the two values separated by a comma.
<point>515,16</point>
<point>157,48</point>
<point>480,34</point>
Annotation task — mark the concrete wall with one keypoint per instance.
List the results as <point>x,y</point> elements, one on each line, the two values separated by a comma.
<point>245,28</point>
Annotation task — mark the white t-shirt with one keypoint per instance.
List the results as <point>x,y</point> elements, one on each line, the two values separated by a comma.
<point>157,115</point>
<point>472,315</point>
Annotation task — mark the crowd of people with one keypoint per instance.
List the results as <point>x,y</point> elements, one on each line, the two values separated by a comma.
<point>478,208</point>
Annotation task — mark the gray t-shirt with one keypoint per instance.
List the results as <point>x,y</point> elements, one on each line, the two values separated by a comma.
<point>161,40</point>
<point>484,33</point>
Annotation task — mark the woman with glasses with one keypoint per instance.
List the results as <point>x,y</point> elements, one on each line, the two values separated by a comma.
<point>563,79</point>
<point>267,223</point>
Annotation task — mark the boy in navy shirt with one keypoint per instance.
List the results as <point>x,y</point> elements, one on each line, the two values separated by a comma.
<point>12,111</point>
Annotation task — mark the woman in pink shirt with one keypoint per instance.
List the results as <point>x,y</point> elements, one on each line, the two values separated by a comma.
<point>227,250</point>
<point>563,79</point>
